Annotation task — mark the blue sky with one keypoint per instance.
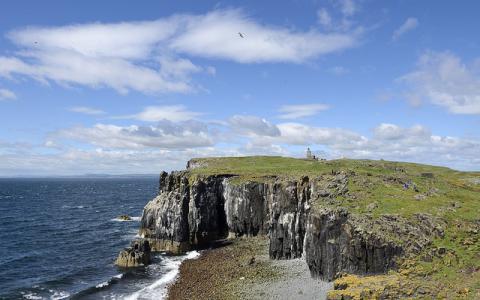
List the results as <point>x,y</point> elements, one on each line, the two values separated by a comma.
<point>117,87</point>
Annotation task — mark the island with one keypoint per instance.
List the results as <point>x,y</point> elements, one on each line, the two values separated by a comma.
<point>368,229</point>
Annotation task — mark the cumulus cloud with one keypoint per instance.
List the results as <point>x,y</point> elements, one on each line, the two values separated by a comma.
<point>443,79</point>
<point>301,134</point>
<point>86,110</point>
<point>165,135</point>
<point>418,144</point>
<point>388,141</point>
<point>174,113</point>
<point>387,131</point>
<point>147,56</point>
<point>7,95</point>
<point>252,126</point>
<point>298,111</point>
<point>409,25</point>
<point>144,149</point>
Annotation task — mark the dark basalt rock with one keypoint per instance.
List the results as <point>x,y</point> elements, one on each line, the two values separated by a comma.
<point>165,219</point>
<point>139,254</point>
<point>206,215</point>
<point>287,218</point>
<point>335,243</point>
<point>185,214</point>
<point>246,208</point>
<point>338,242</point>
<point>124,218</point>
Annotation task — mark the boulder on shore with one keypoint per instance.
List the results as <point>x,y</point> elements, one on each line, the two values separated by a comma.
<point>137,255</point>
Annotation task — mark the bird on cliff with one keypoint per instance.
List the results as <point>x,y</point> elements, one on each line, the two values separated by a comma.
<point>242,35</point>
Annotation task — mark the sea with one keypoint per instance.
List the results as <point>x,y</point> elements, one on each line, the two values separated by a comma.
<point>59,238</point>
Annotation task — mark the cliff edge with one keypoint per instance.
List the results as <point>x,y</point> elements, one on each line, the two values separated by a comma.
<point>412,227</point>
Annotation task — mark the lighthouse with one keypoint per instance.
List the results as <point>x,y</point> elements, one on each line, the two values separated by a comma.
<point>309,153</point>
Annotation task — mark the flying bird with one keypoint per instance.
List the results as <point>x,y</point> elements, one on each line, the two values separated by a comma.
<point>242,35</point>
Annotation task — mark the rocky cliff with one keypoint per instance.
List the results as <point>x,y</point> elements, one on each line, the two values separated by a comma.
<point>194,211</point>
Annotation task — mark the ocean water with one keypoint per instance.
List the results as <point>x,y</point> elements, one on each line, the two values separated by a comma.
<point>60,237</point>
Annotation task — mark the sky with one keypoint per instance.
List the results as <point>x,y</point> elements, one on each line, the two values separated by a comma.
<point>124,87</point>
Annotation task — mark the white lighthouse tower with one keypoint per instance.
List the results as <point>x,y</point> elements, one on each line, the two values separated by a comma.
<point>309,153</point>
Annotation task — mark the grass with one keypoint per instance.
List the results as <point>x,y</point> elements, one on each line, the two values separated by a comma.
<point>260,166</point>
<point>374,181</point>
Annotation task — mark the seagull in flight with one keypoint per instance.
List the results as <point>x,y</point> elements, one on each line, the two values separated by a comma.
<point>242,35</point>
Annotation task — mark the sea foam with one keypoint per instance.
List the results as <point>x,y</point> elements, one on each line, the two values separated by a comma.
<point>158,289</point>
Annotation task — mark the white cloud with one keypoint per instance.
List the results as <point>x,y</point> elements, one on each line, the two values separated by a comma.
<point>86,110</point>
<point>340,18</point>
<point>149,149</point>
<point>324,17</point>
<point>408,25</point>
<point>301,110</point>
<point>7,95</point>
<point>252,126</point>
<point>67,67</point>
<point>146,56</point>
<point>165,135</point>
<point>389,141</point>
<point>418,144</point>
<point>301,134</point>
<point>387,131</point>
<point>215,36</point>
<point>102,161</point>
<point>442,79</point>
<point>178,68</point>
<point>174,113</point>
<point>348,7</point>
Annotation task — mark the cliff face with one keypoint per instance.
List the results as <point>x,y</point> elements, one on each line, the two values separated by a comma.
<point>185,214</point>
<point>335,243</point>
<point>246,208</point>
<point>192,212</point>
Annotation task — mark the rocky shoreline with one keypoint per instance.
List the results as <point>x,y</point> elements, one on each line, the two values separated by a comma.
<point>241,269</point>
<point>298,218</point>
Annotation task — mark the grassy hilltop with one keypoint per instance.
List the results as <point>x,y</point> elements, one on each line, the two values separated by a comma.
<point>376,188</point>
<point>381,182</point>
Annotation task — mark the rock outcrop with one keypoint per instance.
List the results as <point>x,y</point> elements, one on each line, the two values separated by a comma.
<point>193,212</point>
<point>185,214</point>
<point>338,242</point>
<point>138,254</point>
